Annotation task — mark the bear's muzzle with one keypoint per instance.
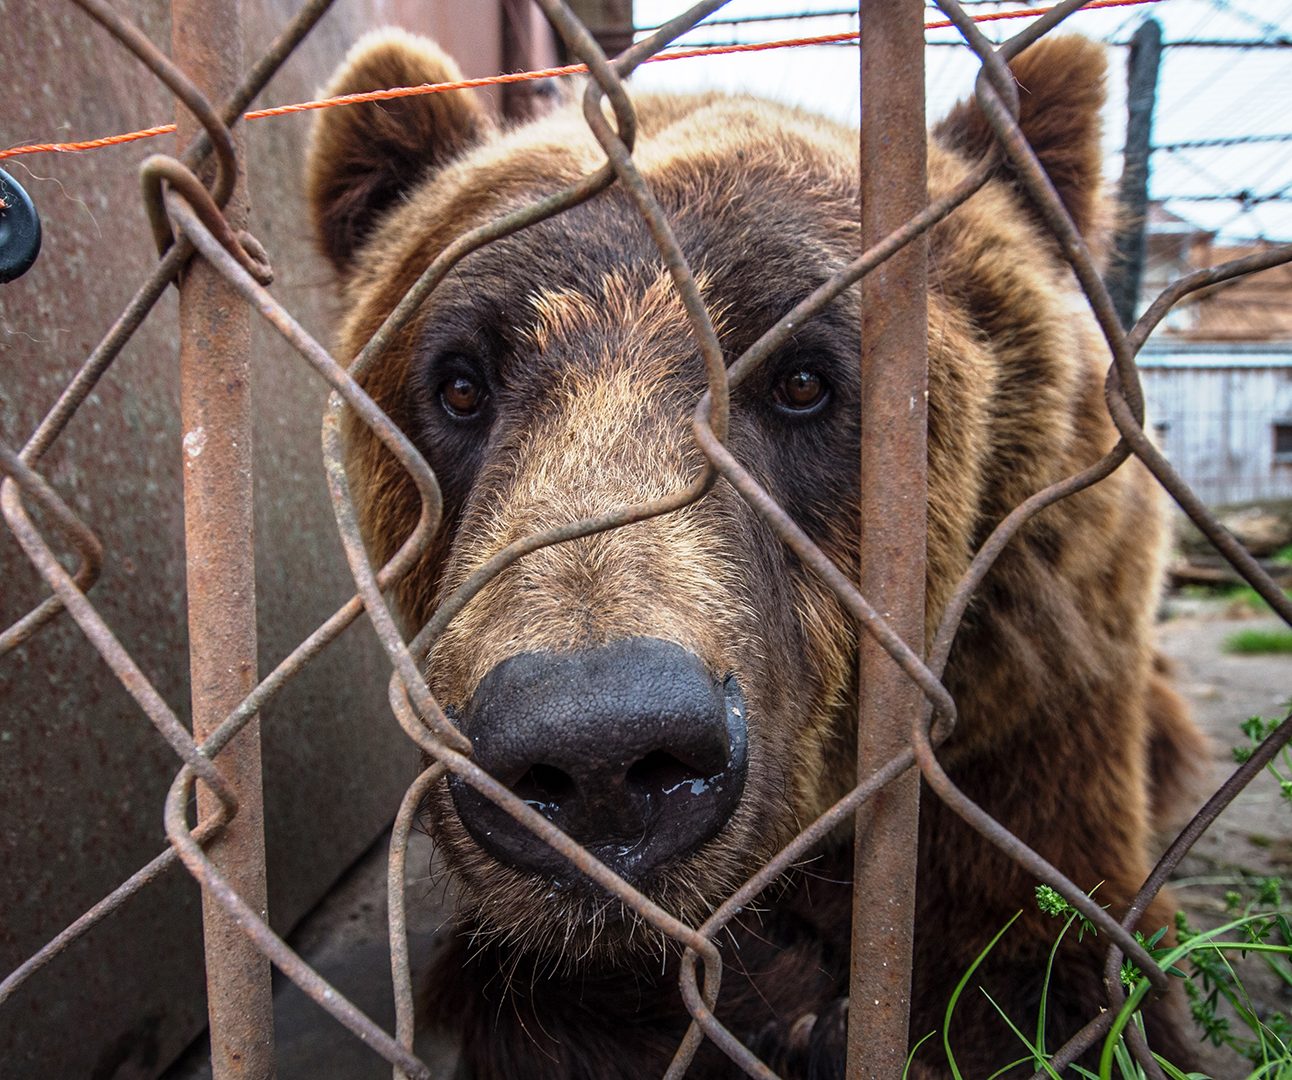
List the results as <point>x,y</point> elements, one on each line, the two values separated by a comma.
<point>632,748</point>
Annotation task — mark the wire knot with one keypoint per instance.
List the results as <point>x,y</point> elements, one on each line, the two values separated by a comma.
<point>161,171</point>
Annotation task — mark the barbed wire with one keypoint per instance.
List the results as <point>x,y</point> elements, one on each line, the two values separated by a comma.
<point>1245,197</point>
<point>391,93</point>
<point>1223,141</point>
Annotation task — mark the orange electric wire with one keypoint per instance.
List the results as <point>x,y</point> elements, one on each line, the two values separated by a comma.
<point>526,76</point>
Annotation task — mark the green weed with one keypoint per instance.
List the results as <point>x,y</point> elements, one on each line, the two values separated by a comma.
<point>1259,927</point>
<point>1257,729</point>
<point>1236,596</point>
<point>1253,641</point>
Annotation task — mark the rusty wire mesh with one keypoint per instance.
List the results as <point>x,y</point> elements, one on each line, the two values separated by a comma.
<point>190,223</point>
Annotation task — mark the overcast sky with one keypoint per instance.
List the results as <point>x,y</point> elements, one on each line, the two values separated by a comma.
<point>1204,93</point>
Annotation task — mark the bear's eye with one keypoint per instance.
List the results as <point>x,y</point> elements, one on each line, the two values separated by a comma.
<point>462,396</point>
<point>802,391</point>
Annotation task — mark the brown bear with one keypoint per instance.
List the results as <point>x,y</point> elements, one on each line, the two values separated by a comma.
<point>679,695</point>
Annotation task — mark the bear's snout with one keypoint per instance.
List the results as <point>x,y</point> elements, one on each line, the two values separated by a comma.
<point>632,748</point>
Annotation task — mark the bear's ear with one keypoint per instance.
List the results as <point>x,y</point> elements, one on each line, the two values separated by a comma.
<point>1060,94</point>
<point>362,158</point>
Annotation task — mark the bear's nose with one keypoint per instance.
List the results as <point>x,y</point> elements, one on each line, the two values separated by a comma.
<point>631,748</point>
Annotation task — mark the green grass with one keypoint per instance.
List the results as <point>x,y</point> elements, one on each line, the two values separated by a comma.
<point>1259,931</point>
<point>1254,641</point>
<point>1246,596</point>
<point>1221,1007</point>
<point>1241,598</point>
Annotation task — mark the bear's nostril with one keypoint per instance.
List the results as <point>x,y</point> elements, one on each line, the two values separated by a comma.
<point>659,771</point>
<point>544,787</point>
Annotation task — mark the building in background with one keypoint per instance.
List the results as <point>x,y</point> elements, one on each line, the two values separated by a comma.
<point>1217,371</point>
<point>1217,374</point>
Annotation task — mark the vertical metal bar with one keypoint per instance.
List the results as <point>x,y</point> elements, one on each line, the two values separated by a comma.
<point>611,22</point>
<point>1127,268</point>
<point>518,99</point>
<point>215,410</point>
<point>894,379</point>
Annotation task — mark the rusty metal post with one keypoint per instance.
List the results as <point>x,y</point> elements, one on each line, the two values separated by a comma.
<point>215,409</point>
<point>519,100</point>
<point>1127,270</point>
<point>894,379</point>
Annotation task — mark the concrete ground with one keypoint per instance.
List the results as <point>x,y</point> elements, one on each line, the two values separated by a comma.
<point>345,938</point>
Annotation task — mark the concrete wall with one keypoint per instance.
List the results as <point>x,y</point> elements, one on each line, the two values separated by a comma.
<point>82,773</point>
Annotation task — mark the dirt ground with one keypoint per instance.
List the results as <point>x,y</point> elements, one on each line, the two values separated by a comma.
<point>345,938</point>
<point>1223,689</point>
<point>1253,837</point>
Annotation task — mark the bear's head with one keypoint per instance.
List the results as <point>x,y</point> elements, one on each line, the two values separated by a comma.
<point>678,694</point>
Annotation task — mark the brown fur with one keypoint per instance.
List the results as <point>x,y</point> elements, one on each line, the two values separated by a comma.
<point>350,193</point>
<point>593,380</point>
<point>1178,753</point>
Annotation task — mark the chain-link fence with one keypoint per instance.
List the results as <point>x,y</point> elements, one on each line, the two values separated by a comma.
<point>222,275</point>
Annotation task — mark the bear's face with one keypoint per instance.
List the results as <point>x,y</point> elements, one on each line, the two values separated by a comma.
<point>677,694</point>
